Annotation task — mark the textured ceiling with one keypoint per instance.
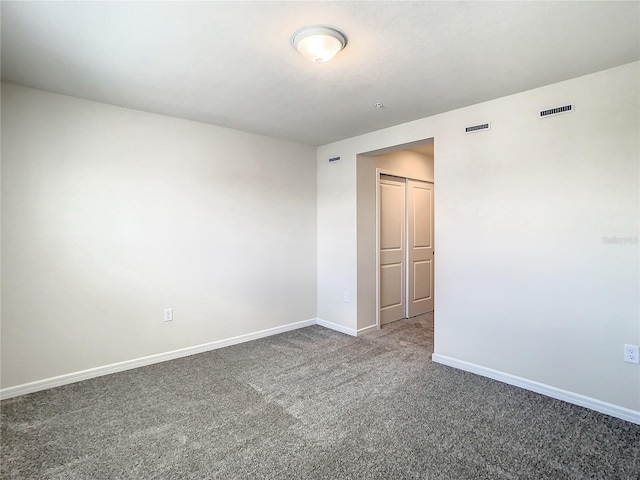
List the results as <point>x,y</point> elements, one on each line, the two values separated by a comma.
<point>231,63</point>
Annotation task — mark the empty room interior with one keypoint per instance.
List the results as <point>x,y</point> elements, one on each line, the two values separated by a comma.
<point>219,232</point>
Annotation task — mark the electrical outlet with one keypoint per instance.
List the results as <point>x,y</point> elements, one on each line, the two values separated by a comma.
<point>168,314</point>
<point>632,353</point>
<point>346,297</point>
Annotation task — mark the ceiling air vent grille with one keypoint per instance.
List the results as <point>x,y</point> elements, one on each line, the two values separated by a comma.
<point>550,112</point>
<point>477,128</point>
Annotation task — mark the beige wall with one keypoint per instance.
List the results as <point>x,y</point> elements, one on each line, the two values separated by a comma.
<point>525,284</point>
<point>109,215</point>
<point>404,163</point>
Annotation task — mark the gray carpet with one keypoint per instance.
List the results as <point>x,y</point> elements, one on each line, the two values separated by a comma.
<point>311,403</point>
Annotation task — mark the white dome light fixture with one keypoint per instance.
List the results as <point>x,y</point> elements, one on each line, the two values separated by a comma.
<point>318,43</point>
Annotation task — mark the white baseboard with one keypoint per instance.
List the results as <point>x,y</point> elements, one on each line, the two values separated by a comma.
<point>366,329</point>
<point>623,413</point>
<point>143,361</point>
<point>338,328</point>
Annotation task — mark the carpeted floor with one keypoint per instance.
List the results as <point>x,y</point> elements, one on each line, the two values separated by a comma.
<point>311,403</point>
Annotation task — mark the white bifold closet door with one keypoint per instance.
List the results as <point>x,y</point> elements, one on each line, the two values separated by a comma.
<point>406,248</point>
<point>420,247</point>
<point>393,240</point>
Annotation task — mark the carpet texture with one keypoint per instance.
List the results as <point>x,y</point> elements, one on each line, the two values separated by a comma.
<point>311,403</point>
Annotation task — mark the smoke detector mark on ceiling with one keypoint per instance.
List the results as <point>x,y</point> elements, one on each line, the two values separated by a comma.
<point>478,128</point>
<point>550,112</point>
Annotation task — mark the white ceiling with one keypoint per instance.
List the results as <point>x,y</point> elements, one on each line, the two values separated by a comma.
<point>231,63</point>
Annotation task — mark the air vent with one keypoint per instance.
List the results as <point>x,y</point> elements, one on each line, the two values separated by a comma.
<point>334,159</point>
<point>550,112</point>
<point>477,128</point>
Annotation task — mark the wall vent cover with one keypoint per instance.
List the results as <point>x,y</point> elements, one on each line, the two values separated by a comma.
<point>550,112</point>
<point>334,159</point>
<point>477,128</point>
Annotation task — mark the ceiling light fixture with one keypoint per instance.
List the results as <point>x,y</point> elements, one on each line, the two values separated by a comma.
<point>318,43</point>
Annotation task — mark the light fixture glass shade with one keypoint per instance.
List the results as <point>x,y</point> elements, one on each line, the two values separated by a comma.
<point>318,44</point>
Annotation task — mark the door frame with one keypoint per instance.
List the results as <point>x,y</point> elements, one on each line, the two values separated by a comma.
<point>384,171</point>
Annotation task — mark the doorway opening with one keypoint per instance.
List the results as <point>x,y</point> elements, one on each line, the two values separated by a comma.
<point>412,164</point>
